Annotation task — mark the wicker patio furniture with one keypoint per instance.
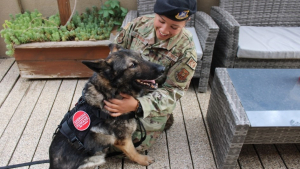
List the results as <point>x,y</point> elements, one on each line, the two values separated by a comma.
<point>252,106</point>
<point>231,15</point>
<point>206,30</point>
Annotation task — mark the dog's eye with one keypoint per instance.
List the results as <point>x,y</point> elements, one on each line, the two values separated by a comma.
<point>133,65</point>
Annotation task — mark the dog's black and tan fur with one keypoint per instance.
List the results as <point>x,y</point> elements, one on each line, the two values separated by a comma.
<point>123,71</point>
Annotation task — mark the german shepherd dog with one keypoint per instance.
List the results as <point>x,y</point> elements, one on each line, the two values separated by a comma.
<point>123,71</point>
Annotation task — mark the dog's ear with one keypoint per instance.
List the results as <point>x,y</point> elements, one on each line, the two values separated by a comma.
<point>96,65</point>
<point>114,47</point>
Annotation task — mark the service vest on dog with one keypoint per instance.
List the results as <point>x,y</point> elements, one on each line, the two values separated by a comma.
<point>177,54</point>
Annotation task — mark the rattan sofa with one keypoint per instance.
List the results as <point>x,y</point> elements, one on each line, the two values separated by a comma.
<point>206,30</point>
<point>231,14</point>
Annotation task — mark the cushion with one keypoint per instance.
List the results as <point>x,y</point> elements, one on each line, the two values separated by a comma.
<point>196,42</point>
<point>269,42</point>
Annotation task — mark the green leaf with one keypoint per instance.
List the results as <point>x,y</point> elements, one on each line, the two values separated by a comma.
<point>9,53</point>
<point>111,12</point>
<point>7,23</point>
<point>117,23</point>
<point>115,4</point>
<point>105,14</point>
<point>124,10</point>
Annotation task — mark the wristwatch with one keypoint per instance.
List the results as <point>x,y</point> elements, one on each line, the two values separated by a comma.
<point>139,110</point>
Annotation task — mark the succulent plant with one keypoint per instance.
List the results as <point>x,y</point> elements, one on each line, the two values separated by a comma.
<point>93,24</point>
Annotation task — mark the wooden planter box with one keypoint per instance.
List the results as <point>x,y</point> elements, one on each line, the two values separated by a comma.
<point>58,59</point>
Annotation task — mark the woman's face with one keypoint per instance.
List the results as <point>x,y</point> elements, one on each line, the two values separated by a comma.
<point>166,28</point>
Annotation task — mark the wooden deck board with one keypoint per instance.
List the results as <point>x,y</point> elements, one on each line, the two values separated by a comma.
<point>200,148</point>
<point>14,130</point>
<point>5,64</point>
<point>178,145</point>
<point>248,158</point>
<point>159,151</point>
<point>34,128</point>
<point>269,156</point>
<point>78,92</point>
<point>289,154</point>
<point>8,82</point>
<point>32,109</point>
<point>11,103</point>
<point>59,109</point>
<point>130,165</point>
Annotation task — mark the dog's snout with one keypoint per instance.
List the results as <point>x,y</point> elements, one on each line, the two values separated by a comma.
<point>161,69</point>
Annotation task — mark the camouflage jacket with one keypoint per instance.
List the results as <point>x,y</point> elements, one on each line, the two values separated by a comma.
<point>177,54</point>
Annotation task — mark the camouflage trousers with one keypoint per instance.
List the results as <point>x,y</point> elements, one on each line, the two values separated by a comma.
<point>151,138</point>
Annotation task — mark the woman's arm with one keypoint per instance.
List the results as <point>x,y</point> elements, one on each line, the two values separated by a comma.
<point>163,100</point>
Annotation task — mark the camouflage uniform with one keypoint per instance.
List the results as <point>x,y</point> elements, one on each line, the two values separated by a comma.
<point>177,54</point>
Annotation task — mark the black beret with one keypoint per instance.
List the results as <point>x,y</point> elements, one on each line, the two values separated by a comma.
<point>177,10</point>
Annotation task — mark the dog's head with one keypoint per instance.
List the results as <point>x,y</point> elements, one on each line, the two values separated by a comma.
<point>126,69</point>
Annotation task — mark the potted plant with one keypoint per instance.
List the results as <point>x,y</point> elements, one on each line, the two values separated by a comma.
<point>44,48</point>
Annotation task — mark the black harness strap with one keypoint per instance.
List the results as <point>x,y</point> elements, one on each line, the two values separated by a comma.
<point>66,131</point>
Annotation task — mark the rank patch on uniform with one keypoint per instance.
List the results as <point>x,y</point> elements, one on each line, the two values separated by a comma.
<point>192,63</point>
<point>182,75</point>
<point>172,57</point>
<point>182,15</point>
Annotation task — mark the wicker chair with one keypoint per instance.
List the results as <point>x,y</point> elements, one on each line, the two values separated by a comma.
<point>231,14</point>
<point>206,30</point>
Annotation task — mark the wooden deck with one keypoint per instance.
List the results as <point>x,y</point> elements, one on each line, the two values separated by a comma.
<point>31,110</point>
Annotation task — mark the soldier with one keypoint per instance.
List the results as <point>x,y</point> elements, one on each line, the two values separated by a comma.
<point>160,38</point>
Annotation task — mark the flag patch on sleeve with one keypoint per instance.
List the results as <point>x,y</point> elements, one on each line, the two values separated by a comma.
<point>192,63</point>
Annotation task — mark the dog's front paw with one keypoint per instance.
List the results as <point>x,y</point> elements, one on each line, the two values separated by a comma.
<point>145,160</point>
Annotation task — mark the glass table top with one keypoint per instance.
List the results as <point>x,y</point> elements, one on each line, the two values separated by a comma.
<point>270,97</point>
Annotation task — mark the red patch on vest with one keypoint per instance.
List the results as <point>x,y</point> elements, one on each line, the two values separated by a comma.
<point>81,120</point>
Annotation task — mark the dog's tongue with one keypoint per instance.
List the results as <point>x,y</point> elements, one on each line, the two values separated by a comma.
<point>149,81</point>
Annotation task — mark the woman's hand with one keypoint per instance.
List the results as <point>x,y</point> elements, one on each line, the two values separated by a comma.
<point>119,107</point>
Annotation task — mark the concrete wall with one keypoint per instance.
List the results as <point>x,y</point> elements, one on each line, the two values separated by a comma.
<point>49,7</point>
